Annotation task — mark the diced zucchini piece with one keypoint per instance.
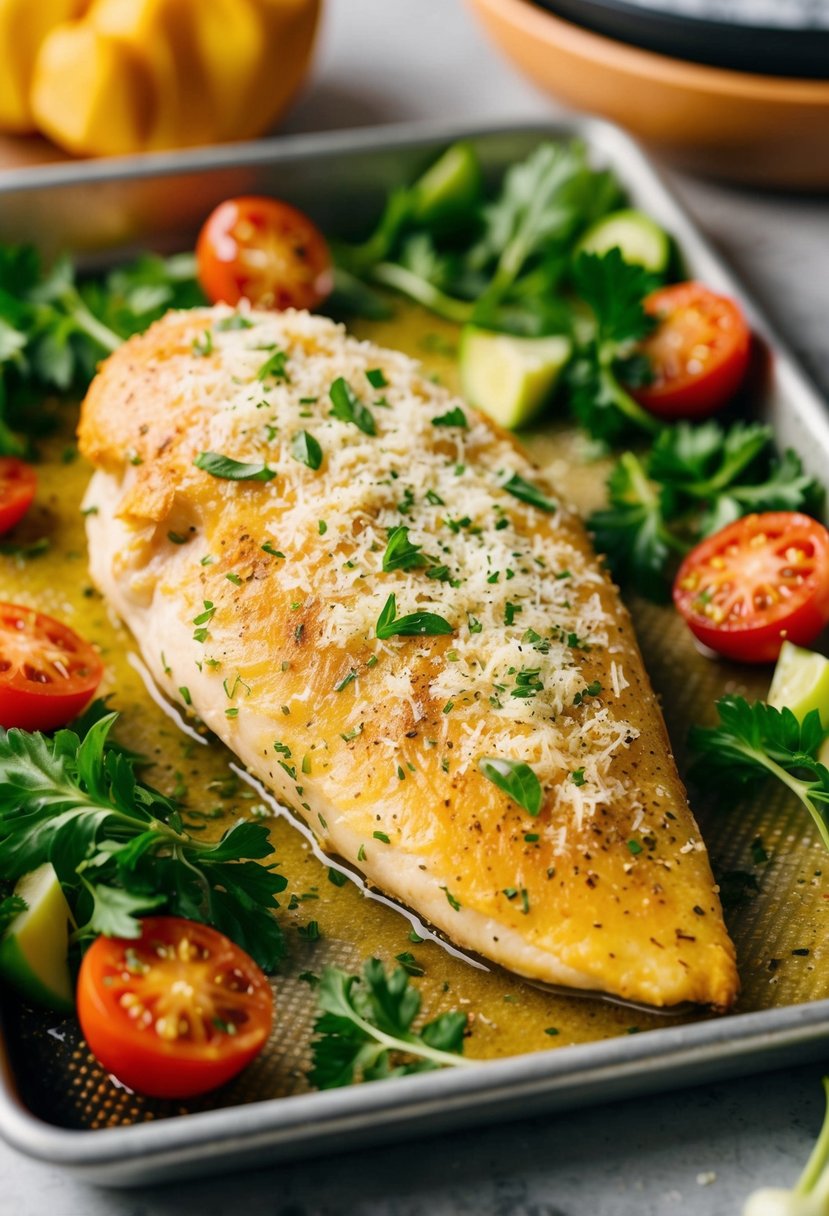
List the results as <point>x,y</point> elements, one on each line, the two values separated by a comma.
<point>510,378</point>
<point>639,238</point>
<point>449,188</point>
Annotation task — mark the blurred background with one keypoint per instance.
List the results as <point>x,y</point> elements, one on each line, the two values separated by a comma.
<point>732,88</point>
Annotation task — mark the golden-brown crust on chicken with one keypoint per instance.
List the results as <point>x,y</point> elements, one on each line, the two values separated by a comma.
<point>378,742</point>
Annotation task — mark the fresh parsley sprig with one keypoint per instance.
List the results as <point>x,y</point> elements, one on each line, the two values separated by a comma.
<point>120,848</point>
<point>755,741</point>
<point>364,1030</point>
<point>55,328</point>
<point>695,480</point>
<point>613,290</point>
<point>498,263</point>
<point>10,908</point>
<point>723,473</point>
<point>633,531</point>
<point>544,202</point>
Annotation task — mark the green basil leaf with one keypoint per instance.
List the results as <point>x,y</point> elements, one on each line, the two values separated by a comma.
<point>349,408</point>
<point>400,553</point>
<point>232,470</point>
<point>415,624</point>
<point>306,450</point>
<point>516,779</point>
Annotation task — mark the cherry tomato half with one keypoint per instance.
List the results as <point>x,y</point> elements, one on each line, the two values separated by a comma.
<point>47,671</point>
<point>176,1012</point>
<point>18,482</point>
<point>265,251</point>
<point>698,352</point>
<point>755,584</point>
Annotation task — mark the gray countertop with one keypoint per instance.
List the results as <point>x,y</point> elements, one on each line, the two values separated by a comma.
<point>698,1151</point>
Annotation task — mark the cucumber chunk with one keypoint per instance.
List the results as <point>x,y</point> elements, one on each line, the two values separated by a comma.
<point>801,682</point>
<point>33,952</point>
<point>510,378</point>
<point>449,188</point>
<point>639,238</point>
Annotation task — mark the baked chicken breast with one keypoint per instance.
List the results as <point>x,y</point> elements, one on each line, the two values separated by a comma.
<point>371,595</point>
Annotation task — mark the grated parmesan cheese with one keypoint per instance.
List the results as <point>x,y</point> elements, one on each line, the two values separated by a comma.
<point>503,564</point>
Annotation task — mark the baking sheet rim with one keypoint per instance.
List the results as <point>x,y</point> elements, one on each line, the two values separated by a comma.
<point>445,1097</point>
<point>304,1123</point>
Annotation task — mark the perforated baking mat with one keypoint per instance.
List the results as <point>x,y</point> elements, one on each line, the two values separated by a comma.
<point>56,1102</point>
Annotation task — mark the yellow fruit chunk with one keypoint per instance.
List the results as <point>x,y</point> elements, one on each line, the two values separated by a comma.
<point>146,75</point>
<point>91,93</point>
<point>34,948</point>
<point>290,26</point>
<point>24,25</point>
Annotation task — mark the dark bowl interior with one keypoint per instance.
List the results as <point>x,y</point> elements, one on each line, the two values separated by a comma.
<point>738,35</point>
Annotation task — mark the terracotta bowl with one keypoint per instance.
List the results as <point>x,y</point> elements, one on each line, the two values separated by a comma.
<point>769,130</point>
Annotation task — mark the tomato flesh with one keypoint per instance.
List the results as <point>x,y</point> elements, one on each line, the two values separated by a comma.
<point>698,352</point>
<point>18,483</point>
<point>176,1012</point>
<point>48,672</point>
<point>264,251</point>
<point>759,582</point>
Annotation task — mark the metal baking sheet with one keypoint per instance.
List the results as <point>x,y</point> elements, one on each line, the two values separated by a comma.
<point>54,1102</point>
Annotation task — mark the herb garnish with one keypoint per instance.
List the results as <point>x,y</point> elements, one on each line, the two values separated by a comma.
<point>120,848</point>
<point>349,408</point>
<point>527,492</point>
<point>232,470</point>
<point>414,624</point>
<point>409,963</point>
<point>54,331</point>
<point>202,620</point>
<point>364,1030</point>
<point>10,908</point>
<point>400,553</point>
<point>235,321</point>
<point>306,450</point>
<point>497,263</point>
<point>528,684</point>
<point>274,367</point>
<point>755,741</point>
<point>455,417</point>
<point>515,779</point>
<point>203,344</point>
<point>614,290</point>
<point>695,480</point>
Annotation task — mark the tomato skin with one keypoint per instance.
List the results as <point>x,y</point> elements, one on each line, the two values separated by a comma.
<point>264,251</point>
<point>123,989</point>
<point>758,582</point>
<point>18,483</point>
<point>48,673</point>
<point>699,352</point>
